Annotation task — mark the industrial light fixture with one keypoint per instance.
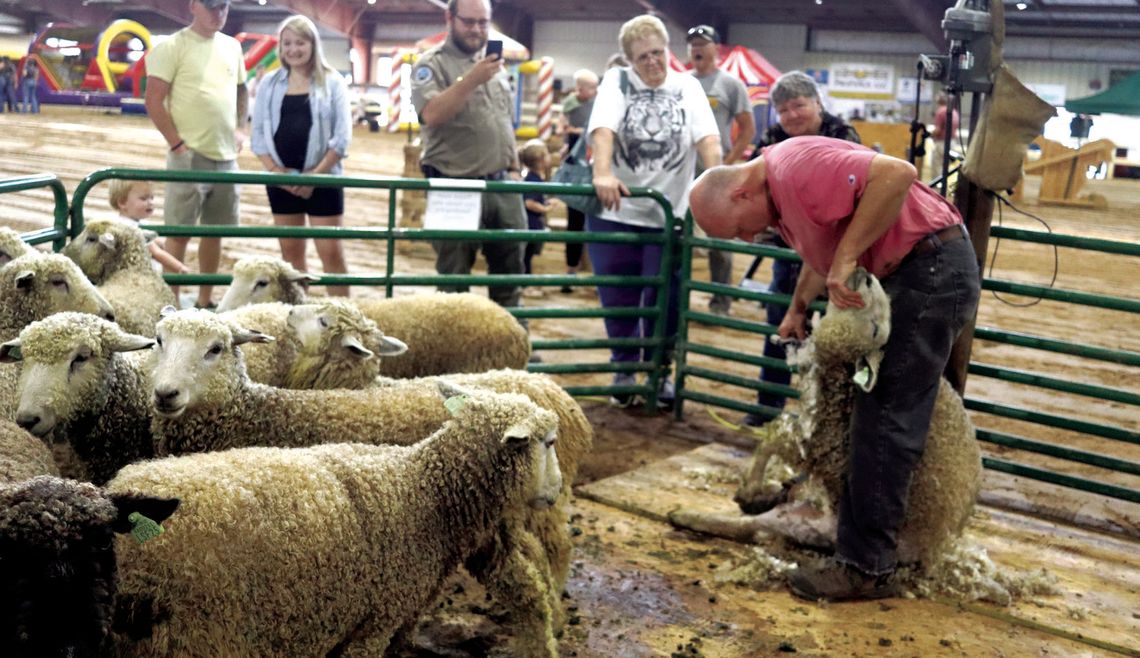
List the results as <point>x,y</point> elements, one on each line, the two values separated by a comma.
<point>1021,6</point>
<point>371,2</point>
<point>819,2</point>
<point>261,2</point>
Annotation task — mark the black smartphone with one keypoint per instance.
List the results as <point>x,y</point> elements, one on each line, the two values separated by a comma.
<point>494,48</point>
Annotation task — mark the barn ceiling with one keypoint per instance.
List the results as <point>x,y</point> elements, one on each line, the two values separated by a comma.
<point>1107,19</point>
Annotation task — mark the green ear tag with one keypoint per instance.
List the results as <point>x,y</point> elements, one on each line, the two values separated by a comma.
<point>862,376</point>
<point>455,404</point>
<point>144,529</point>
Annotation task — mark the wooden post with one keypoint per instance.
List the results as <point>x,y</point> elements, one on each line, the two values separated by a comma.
<point>977,208</point>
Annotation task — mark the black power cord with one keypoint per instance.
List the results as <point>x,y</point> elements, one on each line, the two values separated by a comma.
<point>997,244</point>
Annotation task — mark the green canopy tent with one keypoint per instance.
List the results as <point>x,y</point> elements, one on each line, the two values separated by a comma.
<point>1121,98</point>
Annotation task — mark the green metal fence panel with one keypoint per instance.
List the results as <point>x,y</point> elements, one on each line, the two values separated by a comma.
<point>57,234</point>
<point>687,348</point>
<point>391,233</point>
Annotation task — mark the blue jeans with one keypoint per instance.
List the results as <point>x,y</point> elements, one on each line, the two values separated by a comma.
<point>31,99</point>
<point>631,260</point>
<point>933,296</point>
<point>784,276</point>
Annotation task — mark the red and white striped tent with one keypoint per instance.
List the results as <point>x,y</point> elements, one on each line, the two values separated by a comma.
<point>513,51</point>
<point>749,66</point>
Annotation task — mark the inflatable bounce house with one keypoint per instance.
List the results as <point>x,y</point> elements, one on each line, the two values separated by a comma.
<point>107,67</point>
<point>90,65</point>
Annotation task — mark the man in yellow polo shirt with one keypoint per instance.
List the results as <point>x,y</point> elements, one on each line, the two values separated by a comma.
<point>196,97</point>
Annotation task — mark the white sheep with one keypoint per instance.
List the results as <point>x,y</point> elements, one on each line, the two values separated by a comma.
<point>12,246</point>
<point>113,254</point>
<point>329,550</point>
<point>273,362</point>
<point>79,391</point>
<point>445,333</point>
<point>32,287</point>
<point>336,347</point>
<point>945,483</point>
<point>204,401</point>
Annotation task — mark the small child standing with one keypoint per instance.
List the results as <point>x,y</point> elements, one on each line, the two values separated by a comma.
<point>535,158</point>
<point>134,201</point>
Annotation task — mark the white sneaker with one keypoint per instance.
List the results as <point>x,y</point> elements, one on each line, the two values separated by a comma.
<point>666,394</point>
<point>624,400</point>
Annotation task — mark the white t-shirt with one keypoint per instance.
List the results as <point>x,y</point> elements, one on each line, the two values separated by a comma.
<point>656,131</point>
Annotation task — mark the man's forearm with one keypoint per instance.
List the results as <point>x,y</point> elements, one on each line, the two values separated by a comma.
<point>745,132</point>
<point>888,183</point>
<point>809,286</point>
<point>242,105</point>
<point>447,103</point>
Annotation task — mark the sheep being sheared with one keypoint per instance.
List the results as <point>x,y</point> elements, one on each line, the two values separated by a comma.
<point>945,483</point>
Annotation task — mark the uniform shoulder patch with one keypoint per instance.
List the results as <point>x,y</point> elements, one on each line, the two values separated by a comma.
<point>422,74</point>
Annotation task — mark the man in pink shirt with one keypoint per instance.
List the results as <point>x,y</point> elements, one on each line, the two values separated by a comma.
<point>841,205</point>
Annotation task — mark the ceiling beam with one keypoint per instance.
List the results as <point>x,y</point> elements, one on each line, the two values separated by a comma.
<point>686,14</point>
<point>333,14</point>
<point>926,18</point>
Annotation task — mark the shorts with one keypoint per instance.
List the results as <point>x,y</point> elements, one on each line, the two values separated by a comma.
<point>325,202</point>
<point>211,203</point>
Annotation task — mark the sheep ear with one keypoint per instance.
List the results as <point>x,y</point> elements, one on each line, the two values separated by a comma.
<point>302,279</point>
<point>867,370</point>
<point>353,344</point>
<point>448,389</point>
<point>10,352</point>
<point>516,435</point>
<point>107,240</point>
<point>392,346</point>
<point>167,310</point>
<point>243,336</point>
<point>155,509</point>
<point>121,341</point>
<point>25,279</point>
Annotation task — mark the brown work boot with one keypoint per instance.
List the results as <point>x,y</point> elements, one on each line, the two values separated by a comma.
<point>835,581</point>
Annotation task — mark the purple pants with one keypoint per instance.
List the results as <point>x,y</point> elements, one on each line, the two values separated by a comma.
<point>632,260</point>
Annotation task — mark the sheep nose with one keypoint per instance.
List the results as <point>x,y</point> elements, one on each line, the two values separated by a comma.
<point>27,420</point>
<point>163,398</point>
<point>109,316</point>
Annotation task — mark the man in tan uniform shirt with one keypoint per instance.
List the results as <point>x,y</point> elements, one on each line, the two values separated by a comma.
<point>464,105</point>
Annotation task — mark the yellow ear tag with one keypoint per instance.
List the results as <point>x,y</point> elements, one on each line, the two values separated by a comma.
<point>144,529</point>
<point>862,376</point>
<point>455,404</point>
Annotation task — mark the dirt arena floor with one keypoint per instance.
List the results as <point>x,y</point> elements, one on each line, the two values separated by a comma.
<point>640,587</point>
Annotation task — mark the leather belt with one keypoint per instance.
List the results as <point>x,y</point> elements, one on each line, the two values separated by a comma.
<point>432,172</point>
<point>932,241</point>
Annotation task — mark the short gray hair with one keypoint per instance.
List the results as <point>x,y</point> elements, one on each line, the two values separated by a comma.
<point>791,85</point>
<point>641,27</point>
<point>585,75</point>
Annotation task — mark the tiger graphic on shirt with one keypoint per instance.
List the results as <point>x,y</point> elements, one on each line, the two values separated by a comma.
<point>652,130</point>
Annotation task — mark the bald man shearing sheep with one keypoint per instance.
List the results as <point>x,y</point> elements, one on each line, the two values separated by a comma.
<point>841,205</point>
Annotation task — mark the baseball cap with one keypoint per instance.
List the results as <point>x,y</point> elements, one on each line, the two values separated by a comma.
<point>703,32</point>
<point>214,4</point>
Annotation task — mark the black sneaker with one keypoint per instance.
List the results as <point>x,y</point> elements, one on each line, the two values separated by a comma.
<point>840,582</point>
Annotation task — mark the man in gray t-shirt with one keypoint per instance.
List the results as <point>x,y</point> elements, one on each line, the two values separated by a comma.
<point>730,105</point>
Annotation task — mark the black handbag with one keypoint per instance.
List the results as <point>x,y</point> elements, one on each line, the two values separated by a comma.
<point>576,170</point>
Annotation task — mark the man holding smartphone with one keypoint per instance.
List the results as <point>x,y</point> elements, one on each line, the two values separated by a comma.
<point>463,98</point>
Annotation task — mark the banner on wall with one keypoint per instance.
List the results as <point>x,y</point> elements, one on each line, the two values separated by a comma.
<point>866,81</point>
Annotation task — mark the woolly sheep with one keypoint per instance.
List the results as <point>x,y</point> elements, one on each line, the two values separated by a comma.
<point>36,285</point>
<point>22,455</point>
<point>80,391</point>
<point>446,333</point>
<point>33,287</point>
<point>336,548</point>
<point>204,401</point>
<point>335,347</point>
<point>271,363</point>
<point>12,246</point>
<point>946,481</point>
<point>113,254</point>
